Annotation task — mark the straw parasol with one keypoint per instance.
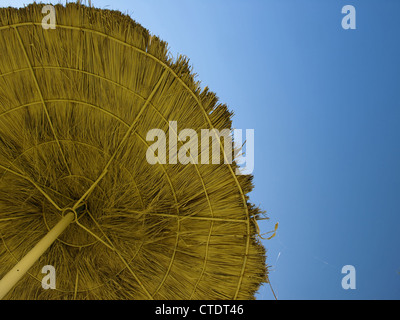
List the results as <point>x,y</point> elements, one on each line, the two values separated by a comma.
<point>76,191</point>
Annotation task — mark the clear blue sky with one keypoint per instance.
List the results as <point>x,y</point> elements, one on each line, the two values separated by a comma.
<point>325,106</point>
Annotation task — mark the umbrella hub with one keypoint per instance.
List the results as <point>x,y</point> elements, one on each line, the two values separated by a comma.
<point>78,212</point>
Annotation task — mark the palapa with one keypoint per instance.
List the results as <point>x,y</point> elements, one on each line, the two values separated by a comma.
<point>76,103</point>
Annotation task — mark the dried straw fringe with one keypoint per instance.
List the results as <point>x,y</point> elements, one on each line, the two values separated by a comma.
<point>75,104</point>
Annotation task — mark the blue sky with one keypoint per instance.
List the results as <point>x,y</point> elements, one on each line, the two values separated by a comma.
<point>325,106</point>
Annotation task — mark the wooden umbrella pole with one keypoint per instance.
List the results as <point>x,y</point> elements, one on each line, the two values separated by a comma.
<point>22,267</point>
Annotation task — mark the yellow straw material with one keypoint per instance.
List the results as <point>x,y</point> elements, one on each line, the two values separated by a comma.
<point>76,103</point>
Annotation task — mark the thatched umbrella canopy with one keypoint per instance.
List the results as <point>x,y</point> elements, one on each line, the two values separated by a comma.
<point>76,103</point>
